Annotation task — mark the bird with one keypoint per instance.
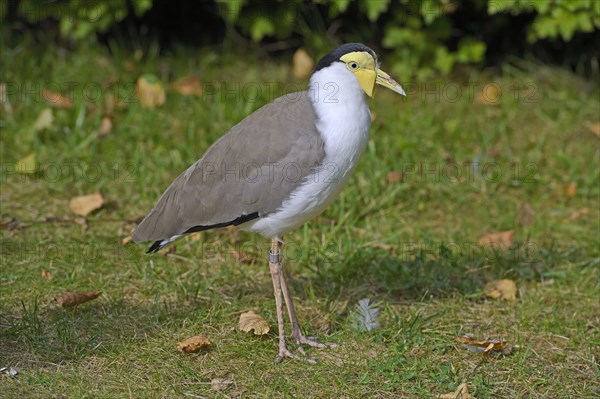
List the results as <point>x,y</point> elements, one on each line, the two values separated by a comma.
<point>279,167</point>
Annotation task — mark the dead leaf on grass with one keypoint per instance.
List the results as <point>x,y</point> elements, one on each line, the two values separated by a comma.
<point>220,384</point>
<point>251,321</point>
<point>502,239</point>
<point>150,91</point>
<point>106,126</point>
<point>193,344</point>
<point>46,275</point>
<point>26,165</point>
<point>187,86</point>
<point>395,177</point>
<point>12,224</point>
<point>593,127</point>
<point>44,120</point>
<point>571,190</point>
<point>70,299</point>
<point>502,289</point>
<point>56,99</point>
<point>577,214</point>
<point>85,204</point>
<point>485,346</point>
<point>490,94</point>
<point>462,392</point>
<point>302,64</point>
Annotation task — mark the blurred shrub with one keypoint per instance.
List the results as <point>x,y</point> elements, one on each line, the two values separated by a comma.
<point>554,18</point>
<point>423,37</point>
<point>78,19</point>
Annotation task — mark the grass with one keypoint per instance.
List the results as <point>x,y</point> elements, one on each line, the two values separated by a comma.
<point>410,245</point>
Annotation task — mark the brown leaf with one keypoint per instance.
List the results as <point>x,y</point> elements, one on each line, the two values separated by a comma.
<point>46,275</point>
<point>395,177</point>
<point>56,99</point>
<point>220,384</point>
<point>251,321</point>
<point>490,94</point>
<point>85,204</point>
<point>44,120</point>
<point>526,214</point>
<point>462,392</point>
<point>581,212</point>
<point>302,64</point>
<point>126,240</point>
<point>502,239</point>
<point>502,289</point>
<point>594,127</point>
<point>571,190</point>
<point>150,91</point>
<point>188,86</point>
<point>193,344</point>
<point>106,126</point>
<point>69,299</point>
<point>485,346</point>
<point>12,224</point>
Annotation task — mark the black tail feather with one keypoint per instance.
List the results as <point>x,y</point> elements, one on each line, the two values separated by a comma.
<point>155,247</point>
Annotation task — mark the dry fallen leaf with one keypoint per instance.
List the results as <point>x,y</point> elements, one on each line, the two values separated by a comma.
<point>56,99</point>
<point>579,213</point>
<point>571,190</point>
<point>69,299</point>
<point>594,127</point>
<point>10,224</point>
<point>46,275</point>
<point>485,346</point>
<point>220,384</point>
<point>126,240</point>
<point>395,177</point>
<point>490,94</point>
<point>106,126</point>
<point>44,120</point>
<point>27,164</point>
<point>462,392</point>
<point>251,321</point>
<point>302,64</point>
<point>188,86</point>
<point>150,91</point>
<point>193,344</point>
<point>502,289</point>
<point>502,239</point>
<point>85,204</point>
<point>526,214</point>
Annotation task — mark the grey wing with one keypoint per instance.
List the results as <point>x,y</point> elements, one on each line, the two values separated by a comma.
<point>247,173</point>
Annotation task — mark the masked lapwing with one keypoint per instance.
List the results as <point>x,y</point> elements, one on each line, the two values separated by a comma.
<point>278,167</point>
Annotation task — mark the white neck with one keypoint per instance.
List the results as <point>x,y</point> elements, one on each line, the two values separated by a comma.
<point>343,115</point>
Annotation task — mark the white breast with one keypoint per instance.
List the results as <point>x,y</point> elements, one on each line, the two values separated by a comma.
<point>344,121</point>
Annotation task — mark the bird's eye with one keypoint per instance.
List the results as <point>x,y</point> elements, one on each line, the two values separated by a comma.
<point>353,65</point>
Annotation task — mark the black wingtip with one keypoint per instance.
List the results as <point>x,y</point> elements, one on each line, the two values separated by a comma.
<point>155,247</point>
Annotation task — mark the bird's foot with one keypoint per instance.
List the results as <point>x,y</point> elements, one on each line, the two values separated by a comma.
<point>284,352</point>
<point>312,341</point>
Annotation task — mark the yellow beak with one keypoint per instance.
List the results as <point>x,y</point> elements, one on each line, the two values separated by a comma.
<point>385,80</point>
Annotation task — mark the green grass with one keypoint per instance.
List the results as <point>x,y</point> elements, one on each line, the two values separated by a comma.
<point>410,246</point>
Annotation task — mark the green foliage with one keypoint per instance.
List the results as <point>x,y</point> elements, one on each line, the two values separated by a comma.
<point>80,19</point>
<point>554,18</point>
<point>423,37</point>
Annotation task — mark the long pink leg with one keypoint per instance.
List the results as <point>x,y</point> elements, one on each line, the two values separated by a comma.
<point>275,267</point>
<point>300,338</point>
